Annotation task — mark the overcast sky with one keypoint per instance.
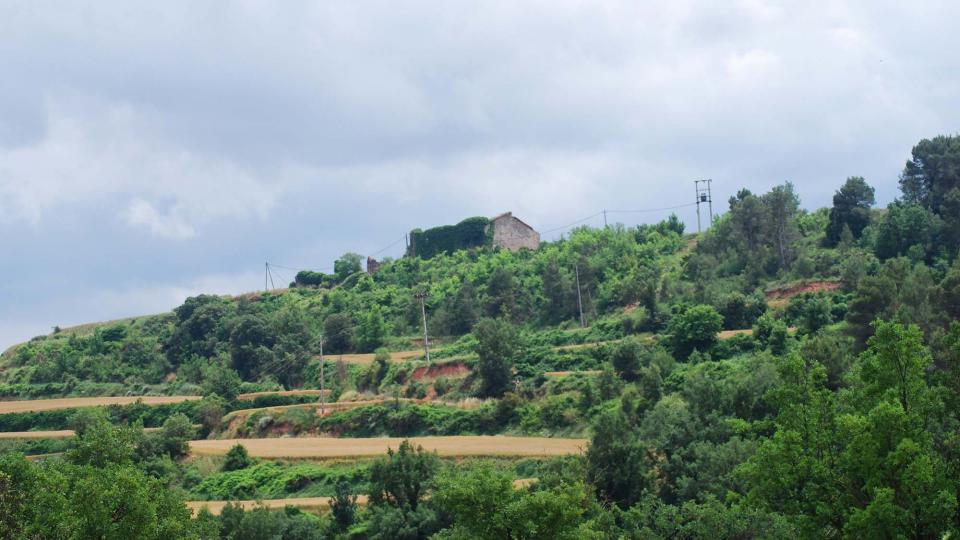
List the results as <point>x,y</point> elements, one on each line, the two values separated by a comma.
<point>149,151</point>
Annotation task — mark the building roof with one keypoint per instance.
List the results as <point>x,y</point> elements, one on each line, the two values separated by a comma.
<point>510,215</point>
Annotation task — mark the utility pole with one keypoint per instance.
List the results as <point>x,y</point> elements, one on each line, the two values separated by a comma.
<point>696,186</point>
<point>266,271</point>
<point>422,295</point>
<point>604,218</point>
<point>704,195</point>
<point>710,200</point>
<point>576,268</point>
<point>323,397</point>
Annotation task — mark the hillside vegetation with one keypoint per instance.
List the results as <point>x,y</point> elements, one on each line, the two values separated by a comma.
<point>787,373</point>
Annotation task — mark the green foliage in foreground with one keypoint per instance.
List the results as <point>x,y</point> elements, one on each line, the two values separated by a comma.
<point>275,480</point>
<point>837,418</point>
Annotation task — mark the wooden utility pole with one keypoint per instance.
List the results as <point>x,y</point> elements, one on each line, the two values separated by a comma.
<point>422,295</point>
<point>323,397</point>
<point>576,268</point>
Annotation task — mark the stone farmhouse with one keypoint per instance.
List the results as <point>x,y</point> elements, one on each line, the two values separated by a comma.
<point>510,232</point>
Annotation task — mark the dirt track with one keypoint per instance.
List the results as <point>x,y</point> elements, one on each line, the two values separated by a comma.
<point>38,405</point>
<point>459,446</point>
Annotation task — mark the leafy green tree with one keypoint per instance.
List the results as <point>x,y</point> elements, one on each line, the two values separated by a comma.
<point>372,377</point>
<point>485,505</point>
<point>851,210</point>
<point>237,458</point>
<point>175,435</point>
<point>220,380</point>
<point>950,299</point>
<point>875,297</point>
<point>343,507</point>
<point>261,522</point>
<point>251,341</point>
<point>199,328</point>
<point>907,229</point>
<point>795,471</point>
<point>398,486</point>
<point>694,328</point>
<point>372,330</point>
<point>559,293</point>
<point>100,444</point>
<point>896,362</point>
<point>748,219</point>
<point>498,343</point>
<point>626,359</point>
<point>338,333</point>
<point>463,312</point>
<point>782,204</point>
<point>740,311</point>
<point>616,464</point>
<point>108,501</point>
<point>347,265</point>
<point>502,294</point>
<point>932,172</point>
<point>402,478</point>
<point>209,412</point>
<point>654,518</point>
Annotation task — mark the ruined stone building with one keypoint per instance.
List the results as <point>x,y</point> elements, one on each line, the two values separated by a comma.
<point>510,232</point>
<point>504,231</point>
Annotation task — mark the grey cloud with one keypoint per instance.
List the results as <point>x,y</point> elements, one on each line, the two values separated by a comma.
<point>188,139</point>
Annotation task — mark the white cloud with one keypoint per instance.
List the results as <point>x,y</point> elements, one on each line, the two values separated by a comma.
<point>114,157</point>
<point>168,225</point>
<point>191,138</point>
<point>752,66</point>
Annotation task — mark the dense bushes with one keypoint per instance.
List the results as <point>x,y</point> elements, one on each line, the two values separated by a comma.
<point>469,233</point>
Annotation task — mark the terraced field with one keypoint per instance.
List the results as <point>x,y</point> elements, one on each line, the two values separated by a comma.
<point>37,405</point>
<point>309,504</point>
<point>458,446</point>
<point>306,392</point>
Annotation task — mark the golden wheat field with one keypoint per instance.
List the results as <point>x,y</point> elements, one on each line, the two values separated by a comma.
<point>458,446</point>
<point>37,405</point>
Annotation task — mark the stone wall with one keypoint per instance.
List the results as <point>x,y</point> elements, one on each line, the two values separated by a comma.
<point>513,234</point>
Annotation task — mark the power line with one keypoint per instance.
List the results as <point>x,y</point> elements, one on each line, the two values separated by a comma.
<point>579,221</point>
<point>395,242</point>
<point>647,210</point>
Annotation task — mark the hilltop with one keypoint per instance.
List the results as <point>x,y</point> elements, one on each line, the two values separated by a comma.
<point>787,373</point>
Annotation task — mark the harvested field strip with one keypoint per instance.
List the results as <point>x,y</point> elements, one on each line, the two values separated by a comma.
<point>59,434</point>
<point>38,457</point>
<point>38,405</point>
<point>788,291</point>
<point>307,392</point>
<point>398,356</point>
<point>335,406</point>
<point>458,446</point>
<point>727,334</point>
<point>568,373</point>
<point>309,504</point>
<point>35,435</point>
